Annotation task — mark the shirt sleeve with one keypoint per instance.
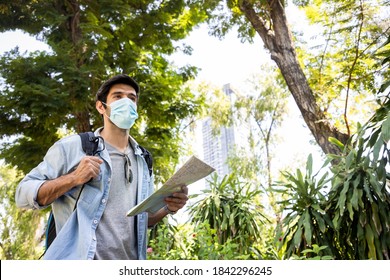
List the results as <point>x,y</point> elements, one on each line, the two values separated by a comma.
<point>52,167</point>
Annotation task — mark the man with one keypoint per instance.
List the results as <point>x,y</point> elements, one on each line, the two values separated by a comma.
<point>114,180</point>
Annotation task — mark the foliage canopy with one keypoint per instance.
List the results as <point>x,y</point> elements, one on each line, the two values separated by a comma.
<point>45,92</point>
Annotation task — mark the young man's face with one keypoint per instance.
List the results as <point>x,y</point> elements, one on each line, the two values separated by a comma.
<point>116,92</point>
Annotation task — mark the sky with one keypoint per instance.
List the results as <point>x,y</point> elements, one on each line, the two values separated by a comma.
<point>225,60</point>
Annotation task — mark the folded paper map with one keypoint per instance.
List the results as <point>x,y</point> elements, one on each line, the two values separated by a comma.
<point>193,170</point>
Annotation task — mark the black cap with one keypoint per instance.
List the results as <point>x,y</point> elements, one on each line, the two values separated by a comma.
<point>118,79</point>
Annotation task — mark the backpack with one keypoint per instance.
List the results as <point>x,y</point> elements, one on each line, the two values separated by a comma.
<point>89,144</point>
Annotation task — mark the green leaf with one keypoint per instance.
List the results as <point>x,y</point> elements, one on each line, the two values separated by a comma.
<point>297,237</point>
<point>226,209</point>
<point>309,165</point>
<point>356,196</point>
<point>299,181</point>
<point>366,187</point>
<point>349,160</point>
<point>363,219</point>
<point>350,210</point>
<point>360,232</point>
<point>369,234</point>
<point>377,148</point>
<point>217,202</point>
<point>386,128</point>
<point>342,198</point>
<point>375,218</point>
<point>373,138</point>
<point>336,220</point>
<point>381,169</point>
<point>307,227</point>
<point>231,219</point>
<point>336,142</point>
<point>320,221</point>
<point>376,186</point>
<point>224,224</point>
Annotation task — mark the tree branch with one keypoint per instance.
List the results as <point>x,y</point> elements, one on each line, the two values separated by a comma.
<point>359,32</point>
<point>280,44</point>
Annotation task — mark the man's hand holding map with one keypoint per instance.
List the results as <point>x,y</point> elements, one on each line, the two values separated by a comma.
<point>193,170</point>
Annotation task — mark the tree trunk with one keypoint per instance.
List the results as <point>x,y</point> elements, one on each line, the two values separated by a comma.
<point>82,115</point>
<point>278,41</point>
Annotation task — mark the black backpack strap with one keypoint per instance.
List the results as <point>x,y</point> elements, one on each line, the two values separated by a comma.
<point>51,230</point>
<point>148,158</point>
<point>89,143</point>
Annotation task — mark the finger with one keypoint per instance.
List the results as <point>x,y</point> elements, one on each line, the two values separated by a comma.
<point>175,206</point>
<point>97,160</point>
<point>90,171</point>
<point>182,199</point>
<point>177,198</point>
<point>96,171</point>
<point>184,189</point>
<point>93,161</point>
<point>182,194</point>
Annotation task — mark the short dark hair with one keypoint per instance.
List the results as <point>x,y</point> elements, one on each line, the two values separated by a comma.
<point>102,93</point>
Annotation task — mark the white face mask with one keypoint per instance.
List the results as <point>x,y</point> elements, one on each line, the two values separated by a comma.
<point>123,113</point>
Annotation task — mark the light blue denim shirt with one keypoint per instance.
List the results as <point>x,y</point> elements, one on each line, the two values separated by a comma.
<point>76,230</point>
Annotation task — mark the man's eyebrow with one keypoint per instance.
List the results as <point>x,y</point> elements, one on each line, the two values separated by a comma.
<point>124,92</point>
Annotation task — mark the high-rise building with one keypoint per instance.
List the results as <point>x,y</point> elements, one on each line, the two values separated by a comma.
<point>218,144</point>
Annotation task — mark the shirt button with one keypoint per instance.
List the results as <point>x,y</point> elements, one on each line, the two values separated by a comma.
<point>104,201</point>
<point>95,221</point>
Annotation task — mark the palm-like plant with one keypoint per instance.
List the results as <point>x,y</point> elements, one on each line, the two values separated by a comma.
<point>229,207</point>
<point>306,223</point>
<point>359,201</point>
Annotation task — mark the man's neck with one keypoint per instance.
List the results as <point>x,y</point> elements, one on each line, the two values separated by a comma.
<point>116,137</point>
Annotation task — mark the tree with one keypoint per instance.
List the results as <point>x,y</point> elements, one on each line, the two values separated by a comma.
<point>18,237</point>
<point>265,106</point>
<point>46,93</point>
<point>268,20</point>
<point>342,77</point>
<point>262,110</point>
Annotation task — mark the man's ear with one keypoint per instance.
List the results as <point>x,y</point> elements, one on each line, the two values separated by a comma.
<point>100,107</point>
